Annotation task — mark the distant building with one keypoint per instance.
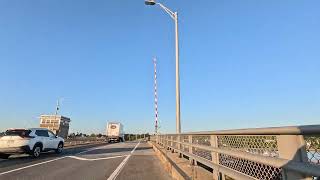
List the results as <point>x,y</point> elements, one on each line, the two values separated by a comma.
<point>56,123</point>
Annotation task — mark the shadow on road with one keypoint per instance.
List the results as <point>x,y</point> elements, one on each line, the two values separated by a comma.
<point>115,150</point>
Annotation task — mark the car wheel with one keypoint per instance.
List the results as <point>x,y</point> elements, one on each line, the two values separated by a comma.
<point>59,148</point>
<point>36,151</point>
<point>4,156</point>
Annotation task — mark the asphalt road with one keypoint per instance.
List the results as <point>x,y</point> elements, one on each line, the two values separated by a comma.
<point>121,161</point>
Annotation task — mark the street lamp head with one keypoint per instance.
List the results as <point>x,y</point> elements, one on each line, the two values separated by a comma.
<point>149,2</point>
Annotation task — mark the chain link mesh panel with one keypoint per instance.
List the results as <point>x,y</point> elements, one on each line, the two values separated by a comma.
<point>166,142</point>
<point>169,141</point>
<point>262,145</point>
<point>256,170</point>
<point>174,144</point>
<point>204,141</point>
<point>186,140</point>
<point>313,149</point>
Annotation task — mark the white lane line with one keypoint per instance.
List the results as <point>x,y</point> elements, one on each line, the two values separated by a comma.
<point>135,147</point>
<point>97,159</point>
<point>37,164</point>
<point>116,172</point>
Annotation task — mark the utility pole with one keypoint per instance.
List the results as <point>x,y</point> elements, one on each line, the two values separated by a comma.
<point>57,107</point>
<point>56,113</point>
<point>155,96</point>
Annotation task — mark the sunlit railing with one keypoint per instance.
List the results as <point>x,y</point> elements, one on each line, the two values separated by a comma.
<point>264,153</point>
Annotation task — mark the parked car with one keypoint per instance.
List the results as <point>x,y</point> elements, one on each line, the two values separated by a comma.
<point>32,141</point>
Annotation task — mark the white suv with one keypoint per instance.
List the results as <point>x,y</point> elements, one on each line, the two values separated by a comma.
<point>32,141</point>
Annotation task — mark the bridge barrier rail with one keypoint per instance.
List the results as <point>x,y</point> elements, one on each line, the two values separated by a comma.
<point>287,153</point>
<point>81,141</point>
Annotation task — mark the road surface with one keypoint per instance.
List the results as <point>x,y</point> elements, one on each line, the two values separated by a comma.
<point>121,161</point>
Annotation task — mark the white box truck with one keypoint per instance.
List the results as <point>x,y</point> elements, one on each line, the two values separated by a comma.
<point>115,132</point>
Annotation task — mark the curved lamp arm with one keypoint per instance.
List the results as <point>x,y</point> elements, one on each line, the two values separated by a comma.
<point>168,11</point>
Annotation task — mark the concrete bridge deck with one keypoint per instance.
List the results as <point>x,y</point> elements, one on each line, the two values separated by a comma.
<point>129,160</point>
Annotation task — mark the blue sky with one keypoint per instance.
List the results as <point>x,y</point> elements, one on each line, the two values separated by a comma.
<point>244,63</point>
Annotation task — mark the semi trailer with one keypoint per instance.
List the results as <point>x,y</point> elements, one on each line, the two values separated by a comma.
<point>115,132</point>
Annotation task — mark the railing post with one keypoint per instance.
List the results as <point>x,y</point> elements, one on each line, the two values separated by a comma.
<point>179,145</point>
<point>172,147</point>
<point>167,142</point>
<point>215,156</point>
<point>292,147</point>
<point>190,148</point>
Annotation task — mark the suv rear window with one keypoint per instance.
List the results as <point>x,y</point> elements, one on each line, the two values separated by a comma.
<point>18,132</point>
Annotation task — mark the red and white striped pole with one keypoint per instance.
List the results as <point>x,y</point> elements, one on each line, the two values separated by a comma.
<point>155,95</point>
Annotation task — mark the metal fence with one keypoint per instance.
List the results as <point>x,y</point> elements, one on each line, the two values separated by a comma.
<point>263,153</point>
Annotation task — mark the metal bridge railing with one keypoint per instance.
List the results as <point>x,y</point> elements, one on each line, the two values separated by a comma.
<point>263,153</point>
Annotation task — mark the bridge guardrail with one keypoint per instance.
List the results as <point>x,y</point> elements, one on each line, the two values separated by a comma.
<point>81,141</point>
<point>262,153</point>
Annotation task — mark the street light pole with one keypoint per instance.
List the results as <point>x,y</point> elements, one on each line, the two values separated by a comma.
<point>174,16</point>
<point>178,123</point>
